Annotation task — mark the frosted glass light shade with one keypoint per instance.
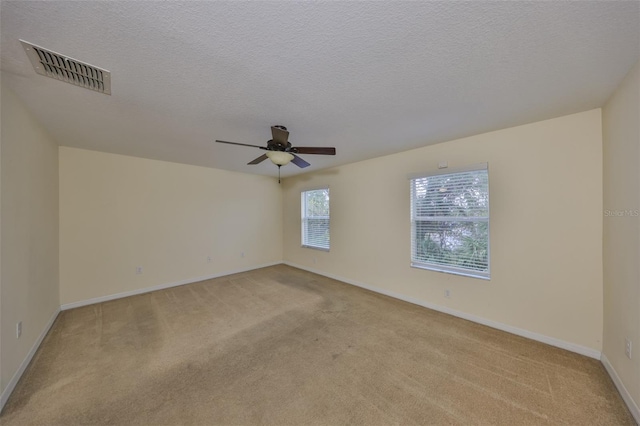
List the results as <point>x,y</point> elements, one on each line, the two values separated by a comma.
<point>280,158</point>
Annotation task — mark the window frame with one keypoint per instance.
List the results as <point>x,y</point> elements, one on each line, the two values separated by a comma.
<point>486,275</point>
<point>303,217</point>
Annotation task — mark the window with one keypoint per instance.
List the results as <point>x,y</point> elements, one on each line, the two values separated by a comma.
<point>315,219</point>
<point>450,221</point>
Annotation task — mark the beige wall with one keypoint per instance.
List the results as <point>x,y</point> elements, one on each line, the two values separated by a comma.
<point>118,212</point>
<point>29,249</point>
<point>621,134</point>
<point>546,227</point>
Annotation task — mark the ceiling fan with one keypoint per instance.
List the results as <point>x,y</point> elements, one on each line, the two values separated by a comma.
<point>280,151</point>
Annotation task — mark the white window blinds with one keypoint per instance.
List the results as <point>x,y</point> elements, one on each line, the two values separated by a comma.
<point>450,222</point>
<point>315,219</point>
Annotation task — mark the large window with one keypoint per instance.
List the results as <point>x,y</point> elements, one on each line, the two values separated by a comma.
<point>315,219</point>
<point>450,221</point>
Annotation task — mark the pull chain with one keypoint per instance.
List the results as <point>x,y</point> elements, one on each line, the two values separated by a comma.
<point>279,172</point>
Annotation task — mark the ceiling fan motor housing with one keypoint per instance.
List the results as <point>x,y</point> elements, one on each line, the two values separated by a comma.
<point>277,146</point>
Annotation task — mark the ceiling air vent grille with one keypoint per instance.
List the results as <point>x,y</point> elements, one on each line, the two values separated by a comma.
<point>63,68</point>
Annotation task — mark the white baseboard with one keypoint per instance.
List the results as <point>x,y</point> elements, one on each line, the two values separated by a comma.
<point>582,350</point>
<point>25,363</point>
<point>101,299</point>
<point>626,396</point>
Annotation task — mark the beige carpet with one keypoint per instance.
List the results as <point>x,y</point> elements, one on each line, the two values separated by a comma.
<point>282,346</point>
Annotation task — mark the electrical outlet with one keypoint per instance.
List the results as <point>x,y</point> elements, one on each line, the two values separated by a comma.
<point>627,347</point>
<point>209,259</point>
<point>241,254</point>
<point>138,270</point>
<point>447,293</point>
<point>18,329</point>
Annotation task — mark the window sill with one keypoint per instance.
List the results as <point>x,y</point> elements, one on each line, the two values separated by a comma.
<point>469,274</point>
<point>315,248</point>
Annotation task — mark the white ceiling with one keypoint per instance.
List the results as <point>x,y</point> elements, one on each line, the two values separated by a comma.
<point>370,78</point>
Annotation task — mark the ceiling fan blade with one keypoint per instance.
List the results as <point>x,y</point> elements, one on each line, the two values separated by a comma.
<point>280,136</point>
<point>242,144</point>
<point>314,150</point>
<point>259,159</point>
<point>299,162</point>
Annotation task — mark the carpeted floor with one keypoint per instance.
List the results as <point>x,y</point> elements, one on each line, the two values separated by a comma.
<point>281,346</point>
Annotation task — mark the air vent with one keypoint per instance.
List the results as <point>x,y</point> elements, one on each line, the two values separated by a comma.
<point>60,67</point>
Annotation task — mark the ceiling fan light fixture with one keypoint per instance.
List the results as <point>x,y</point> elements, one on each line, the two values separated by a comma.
<point>280,158</point>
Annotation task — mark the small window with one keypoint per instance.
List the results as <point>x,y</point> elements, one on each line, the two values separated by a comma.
<point>450,222</point>
<point>315,219</point>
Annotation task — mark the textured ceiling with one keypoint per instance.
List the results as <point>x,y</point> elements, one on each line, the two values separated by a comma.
<point>369,78</point>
